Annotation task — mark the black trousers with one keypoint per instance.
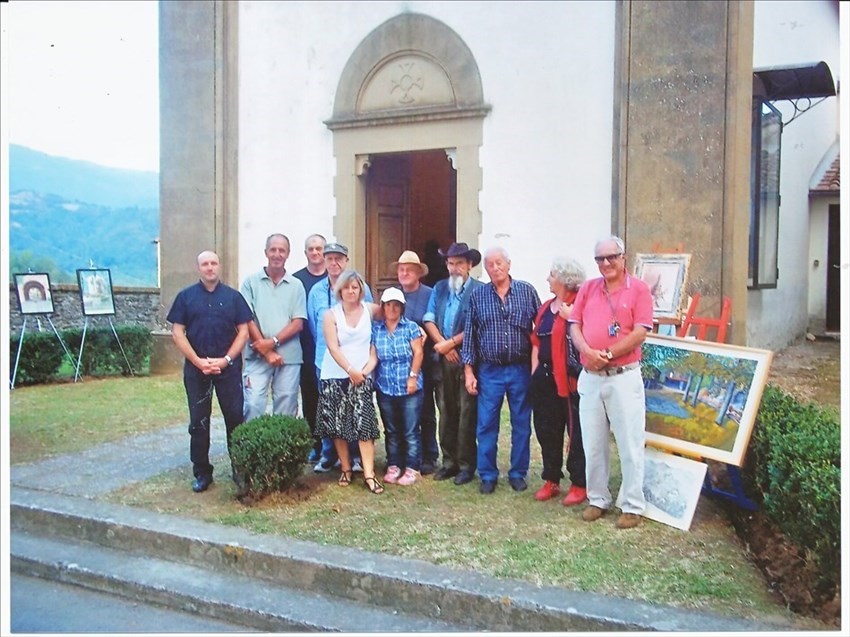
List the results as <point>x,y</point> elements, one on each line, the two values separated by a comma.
<point>310,400</point>
<point>199,392</point>
<point>555,416</point>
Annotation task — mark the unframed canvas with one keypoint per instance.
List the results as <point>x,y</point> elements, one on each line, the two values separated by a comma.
<point>672,486</point>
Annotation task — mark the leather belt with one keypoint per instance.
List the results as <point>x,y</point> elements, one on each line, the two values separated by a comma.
<point>613,371</point>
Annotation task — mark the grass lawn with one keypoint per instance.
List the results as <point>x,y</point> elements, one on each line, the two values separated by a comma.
<point>506,534</point>
<point>65,417</point>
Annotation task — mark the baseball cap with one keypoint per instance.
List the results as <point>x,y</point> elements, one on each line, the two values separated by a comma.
<point>392,294</point>
<point>336,248</point>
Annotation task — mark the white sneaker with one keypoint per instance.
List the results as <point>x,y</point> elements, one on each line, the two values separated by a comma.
<point>408,478</point>
<point>323,465</point>
<point>357,467</point>
<point>392,475</point>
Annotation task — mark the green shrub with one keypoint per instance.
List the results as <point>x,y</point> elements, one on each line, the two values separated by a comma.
<point>102,354</point>
<point>269,452</point>
<point>793,466</point>
<point>41,356</point>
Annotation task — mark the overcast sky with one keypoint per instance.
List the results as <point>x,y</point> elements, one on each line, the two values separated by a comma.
<point>82,80</point>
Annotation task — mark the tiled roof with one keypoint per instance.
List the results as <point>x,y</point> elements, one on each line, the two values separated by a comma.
<point>830,181</point>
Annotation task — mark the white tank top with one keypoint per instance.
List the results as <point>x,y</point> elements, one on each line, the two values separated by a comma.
<point>353,341</point>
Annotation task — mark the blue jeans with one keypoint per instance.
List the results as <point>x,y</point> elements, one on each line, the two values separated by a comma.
<point>494,382</point>
<point>400,415</point>
<point>328,450</point>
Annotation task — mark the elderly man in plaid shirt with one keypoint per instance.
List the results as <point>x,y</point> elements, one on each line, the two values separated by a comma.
<point>497,362</point>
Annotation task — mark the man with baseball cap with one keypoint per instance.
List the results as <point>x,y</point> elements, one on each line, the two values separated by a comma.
<point>320,299</point>
<point>444,323</point>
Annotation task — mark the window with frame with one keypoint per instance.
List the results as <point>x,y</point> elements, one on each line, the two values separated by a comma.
<point>763,270</point>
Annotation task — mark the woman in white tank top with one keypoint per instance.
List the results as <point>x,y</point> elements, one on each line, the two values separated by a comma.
<point>346,410</point>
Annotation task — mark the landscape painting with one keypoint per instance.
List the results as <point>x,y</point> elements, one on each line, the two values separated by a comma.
<point>702,397</point>
<point>672,487</point>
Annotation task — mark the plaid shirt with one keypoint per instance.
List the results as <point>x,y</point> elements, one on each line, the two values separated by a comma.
<point>395,356</point>
<point>497,332</point>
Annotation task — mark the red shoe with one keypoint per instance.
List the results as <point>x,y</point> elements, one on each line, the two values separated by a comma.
<point>576,495</point>
<point>548,490</point>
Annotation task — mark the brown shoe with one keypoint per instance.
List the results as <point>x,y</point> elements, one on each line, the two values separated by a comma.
<point>592,513</point>
<point>628,521</point>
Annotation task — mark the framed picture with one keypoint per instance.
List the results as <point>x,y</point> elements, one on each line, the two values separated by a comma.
<point>34,293</point>
<point>701,397</point>
<point>667,277</point>
<point>671,486</point>
<point>96,292</point>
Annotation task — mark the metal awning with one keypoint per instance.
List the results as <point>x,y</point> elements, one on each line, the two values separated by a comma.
<point>793,82</point>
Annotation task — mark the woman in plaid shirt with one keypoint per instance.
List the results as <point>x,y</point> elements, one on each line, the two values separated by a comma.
<point>398,344</point>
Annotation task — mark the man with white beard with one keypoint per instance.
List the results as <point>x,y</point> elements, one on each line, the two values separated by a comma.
<point>444,320</point>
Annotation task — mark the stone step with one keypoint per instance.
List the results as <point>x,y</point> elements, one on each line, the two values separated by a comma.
<point>239,599</point>
<point>460,600</point>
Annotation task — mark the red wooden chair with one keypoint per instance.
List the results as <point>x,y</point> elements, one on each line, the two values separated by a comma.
<point>703,324</point>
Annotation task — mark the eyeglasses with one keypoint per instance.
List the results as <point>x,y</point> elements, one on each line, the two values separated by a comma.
<point>610,258</point>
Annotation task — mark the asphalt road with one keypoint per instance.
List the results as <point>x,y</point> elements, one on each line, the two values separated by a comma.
<point>42,606</point>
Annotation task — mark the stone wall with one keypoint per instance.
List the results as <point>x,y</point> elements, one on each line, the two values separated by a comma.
<point>133,306</point>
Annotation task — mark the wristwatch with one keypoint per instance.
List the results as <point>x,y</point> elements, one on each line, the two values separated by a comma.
<point>609,354</point>
<point>412,375</point>
<point>276,342</point>
<point>228,359</point>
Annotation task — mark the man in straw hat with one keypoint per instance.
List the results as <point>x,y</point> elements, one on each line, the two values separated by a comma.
<point>444,322</point>
<point>410,270</point>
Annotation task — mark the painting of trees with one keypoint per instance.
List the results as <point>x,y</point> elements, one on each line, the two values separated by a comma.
<point>702,395</point>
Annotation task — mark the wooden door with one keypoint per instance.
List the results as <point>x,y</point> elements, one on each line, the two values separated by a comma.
<point>387,218</point>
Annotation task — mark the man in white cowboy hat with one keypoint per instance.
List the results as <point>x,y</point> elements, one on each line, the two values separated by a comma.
<point>409,270</point>
<point>444,324</point>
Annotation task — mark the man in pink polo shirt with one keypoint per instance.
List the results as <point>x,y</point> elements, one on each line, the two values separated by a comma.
<point>610,320</point>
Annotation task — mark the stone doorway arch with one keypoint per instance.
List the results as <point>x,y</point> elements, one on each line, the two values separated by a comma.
<point>412,84</point>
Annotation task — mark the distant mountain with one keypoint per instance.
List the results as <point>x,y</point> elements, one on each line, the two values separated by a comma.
<point>74,213</point>
<point>77,180</point>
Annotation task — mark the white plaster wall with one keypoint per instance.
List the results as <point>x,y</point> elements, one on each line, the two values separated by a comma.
<point>787,33</point>
<point>547,72</point>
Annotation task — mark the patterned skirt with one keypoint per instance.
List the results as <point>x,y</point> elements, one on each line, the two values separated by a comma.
<point>347,411</point>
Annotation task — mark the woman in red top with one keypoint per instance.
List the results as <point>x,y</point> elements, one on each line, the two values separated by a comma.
<point>554,375</point>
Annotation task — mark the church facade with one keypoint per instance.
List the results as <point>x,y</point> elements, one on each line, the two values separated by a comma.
<point>537,126</point>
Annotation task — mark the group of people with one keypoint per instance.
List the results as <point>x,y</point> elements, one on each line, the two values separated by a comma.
<point>572,363</point>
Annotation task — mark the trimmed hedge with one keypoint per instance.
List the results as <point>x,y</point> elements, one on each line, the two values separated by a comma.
<point>42,354</point>
<point>41,357</point>
<point>269,452</point>
<point>793,466</point>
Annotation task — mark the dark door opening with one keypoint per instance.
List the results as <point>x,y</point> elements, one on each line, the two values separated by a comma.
<point>411,204</point>
<point>833,273</point>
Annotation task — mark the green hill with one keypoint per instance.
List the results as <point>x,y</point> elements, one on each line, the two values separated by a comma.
<point>66,214</point>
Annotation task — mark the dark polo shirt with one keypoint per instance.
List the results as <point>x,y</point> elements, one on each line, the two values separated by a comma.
<point>210,318</point>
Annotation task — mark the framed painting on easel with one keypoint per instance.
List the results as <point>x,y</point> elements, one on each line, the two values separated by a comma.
<point>667,278</point>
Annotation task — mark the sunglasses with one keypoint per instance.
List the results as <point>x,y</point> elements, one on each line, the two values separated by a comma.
<point>610,258</point>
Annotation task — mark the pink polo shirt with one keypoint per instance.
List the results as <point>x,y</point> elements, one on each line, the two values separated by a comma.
<point>632,305</point>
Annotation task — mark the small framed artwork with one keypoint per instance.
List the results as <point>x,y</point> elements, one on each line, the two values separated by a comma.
<point>671,486</point>
<point>96,292</point>
<point>34,293</point>
<point>702,397</point>
<point>667,278</point>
